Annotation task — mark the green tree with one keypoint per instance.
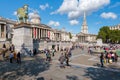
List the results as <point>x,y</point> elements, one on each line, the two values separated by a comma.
<point>108,35</point>
<point>70,35</point>
<point>104,33</point>
<point>115,36</point>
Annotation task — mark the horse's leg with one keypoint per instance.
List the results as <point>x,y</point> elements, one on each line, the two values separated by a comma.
<point>24,19</point>
<point>18,19</point>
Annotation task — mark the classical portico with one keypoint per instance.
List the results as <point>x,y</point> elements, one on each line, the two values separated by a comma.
<point>39,30</point>
<point>2,31</point>
<point>84,36</point>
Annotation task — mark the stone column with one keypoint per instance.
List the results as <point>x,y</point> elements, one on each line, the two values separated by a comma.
<point>45,32</point>
<point>33,32</point>
<point>82,38</point>
<point>41,33</point>
<point>36,33</point>
<point>5,31</point>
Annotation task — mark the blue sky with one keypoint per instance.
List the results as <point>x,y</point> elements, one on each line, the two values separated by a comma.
<point>68,14</point>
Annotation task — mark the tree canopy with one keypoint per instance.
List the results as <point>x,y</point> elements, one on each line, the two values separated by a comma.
<point>70,35</point>
<point>107,35</point>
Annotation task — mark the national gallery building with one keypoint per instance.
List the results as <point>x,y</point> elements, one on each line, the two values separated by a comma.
<point>39,31</point>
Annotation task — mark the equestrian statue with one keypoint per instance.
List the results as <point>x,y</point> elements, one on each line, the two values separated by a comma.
<point>22,14</point>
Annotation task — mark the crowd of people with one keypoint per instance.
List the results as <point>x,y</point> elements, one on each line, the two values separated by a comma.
<point>12,55</point>
<point>108,54</point>
<point>108,57</point>
<point>65,57</point>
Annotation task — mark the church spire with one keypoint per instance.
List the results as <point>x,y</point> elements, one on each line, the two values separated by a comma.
<point>84,28</point>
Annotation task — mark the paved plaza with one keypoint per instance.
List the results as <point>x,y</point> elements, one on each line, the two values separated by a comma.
<point>83,67</point>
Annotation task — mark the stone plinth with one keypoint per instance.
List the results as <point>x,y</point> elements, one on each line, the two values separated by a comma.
<point>22,37</point>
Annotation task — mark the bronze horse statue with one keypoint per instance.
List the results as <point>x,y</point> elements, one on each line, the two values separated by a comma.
<point>22,14</point>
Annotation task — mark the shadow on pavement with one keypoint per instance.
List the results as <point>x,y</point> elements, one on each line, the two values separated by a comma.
<point>73,77</point>
<point>41,78</point>
<point>101,74</point>
<point>29,68</point>
<point>97,64</point>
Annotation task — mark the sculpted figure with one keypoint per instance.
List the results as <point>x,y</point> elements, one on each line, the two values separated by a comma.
<point>22,14</point>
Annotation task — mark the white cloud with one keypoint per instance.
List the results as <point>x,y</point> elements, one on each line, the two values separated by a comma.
<point>75,8</point>
<point>15,13</point>
<point>33,14</point>
<point>33,10</point>
<point>54,23</point>
<point>74,22</point>
<point>43,7</point>
<point>108,15</point>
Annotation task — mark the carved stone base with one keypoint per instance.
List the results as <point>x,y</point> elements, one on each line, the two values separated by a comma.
<point>22,37</point>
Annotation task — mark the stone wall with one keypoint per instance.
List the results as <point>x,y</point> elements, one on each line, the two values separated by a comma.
<point>48,45</point>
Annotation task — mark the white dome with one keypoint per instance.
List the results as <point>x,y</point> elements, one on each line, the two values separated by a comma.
<point>34,18</point>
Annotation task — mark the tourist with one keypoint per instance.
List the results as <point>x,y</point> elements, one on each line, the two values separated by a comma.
<point>30,53</point>
<point>90,50</point>
<point>15,56</point>
<point>3,55</point>
<point>18,58</point>
<point>67,58</point>
<point>4,46</point>
<point>112,56</point>
<point>11,57</point>
<point>106,57</point>
<point>102,59</point>
<point>48,55</point>
<point>109,57</point>
<point>62,59</point>
<point>34,52</point>
<point>69,53</point>
<point>12,48</point>
<point>116,57</point>
<point>53,52</point>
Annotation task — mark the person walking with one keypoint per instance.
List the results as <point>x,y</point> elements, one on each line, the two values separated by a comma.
<point>18,58</point>
<point>53,52</point>
<point>12,48</point>
<point>90,50</point>
<point>4,46</point>
<point>102,59</point>
<point>15,56</point>
<point>116,57</point>
<point>34,52</point>
<point>67,58</point>
<point>62,59</point>
<point>11,57</point>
